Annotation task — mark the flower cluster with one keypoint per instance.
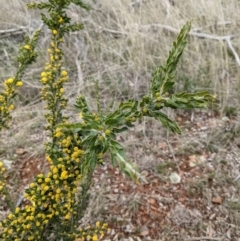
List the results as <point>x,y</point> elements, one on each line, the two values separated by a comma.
<point>26,56</point>
<point>92,233</point>
<point>53,79</point>
<point>2,180</point>
<point>52,199</point>
<point>6,105</point>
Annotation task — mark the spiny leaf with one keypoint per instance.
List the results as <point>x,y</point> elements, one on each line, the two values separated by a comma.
<point>167,123</point>
<point>189,100</point>
<point>164,75</point>
<point>81,4</point>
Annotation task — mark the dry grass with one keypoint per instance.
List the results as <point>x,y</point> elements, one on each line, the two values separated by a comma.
<point>122,43</point>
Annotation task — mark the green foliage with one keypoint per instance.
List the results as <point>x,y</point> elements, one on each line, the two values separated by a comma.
<point>58,17</point>
<point>93,127</point>
<point>76,149</point>
<point>163,77</point>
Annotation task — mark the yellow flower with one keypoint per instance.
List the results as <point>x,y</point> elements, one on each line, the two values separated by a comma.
<point>28,226</point>
<point>47,179</point>
<point>97,224</point>
<point>58,190</point>
<point>46,188</point>
<point>80,115</point>
<point>44,80</point>
<point>52,58</point>
<point>58,133</point>
<point>64,73</point>
<point>43,74</point>
<point>11,107</point>
<point>27,47</point>
<point>95,238</point>
<point>39,180</point>
<point>55,170</point>
<point>67,216</point>
<point>17,210</point>
<point>49,159</point>
<point>9,81</point>
<point>64,175</point>
<point>1,98</point>
<point>19,83</point>
<point>54,32</point>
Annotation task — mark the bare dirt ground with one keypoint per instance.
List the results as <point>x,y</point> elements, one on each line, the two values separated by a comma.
<point>204,205</point>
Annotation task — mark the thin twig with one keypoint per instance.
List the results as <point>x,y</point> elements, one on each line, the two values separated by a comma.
<point>215,25</point>
<point>13,30</point>
<point>19,30</point>
<point>226,38</point>
<point>202,238</point>
<point>167,8</point>
<point>233,51</point>
<point>191,33</point>
<point>113,32</point>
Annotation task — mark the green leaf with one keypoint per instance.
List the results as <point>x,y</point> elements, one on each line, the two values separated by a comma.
<point>116,145</point>
<point>127,167</point>
<point>129,124</point>
<point>189,100</point>
<point>113,121</point>
<point>116,114</point>
<point>81,4</point>
<point>90,140</point>
<point>76,126</point>
<point>167,123</point>
<point>39,5</point>
<point>118,117</point>
<point>131,104</point>
<point>167,86</point>
<point>104,146</point>
<point>113,158</point>
<point>163,76</point>
<point>119,130</point>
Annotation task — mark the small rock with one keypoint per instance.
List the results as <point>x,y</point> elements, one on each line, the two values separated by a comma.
<point>217,200</point>
<point>175,178</point>
<point>144,233</point>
